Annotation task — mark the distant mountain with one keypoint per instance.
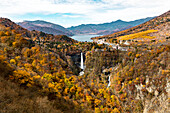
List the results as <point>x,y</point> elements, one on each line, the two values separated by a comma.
<point>106,28</point>
<point>160,23</point>
<point>46,27</point>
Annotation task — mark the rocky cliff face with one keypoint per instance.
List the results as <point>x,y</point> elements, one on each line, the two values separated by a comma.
<point>97,61</point>
<point>143,82</point>
<point>158,104</point>
<point>73,63</point>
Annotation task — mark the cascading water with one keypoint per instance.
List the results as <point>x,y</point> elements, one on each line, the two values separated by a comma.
<point>109,82</point>
<point>81,66</point>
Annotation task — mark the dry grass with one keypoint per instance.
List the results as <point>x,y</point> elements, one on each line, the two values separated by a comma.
<point>14,99</point>
<point>142,35</point>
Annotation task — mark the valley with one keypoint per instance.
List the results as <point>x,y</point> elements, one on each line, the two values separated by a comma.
<point>85,29</point>
<point>122,68</point>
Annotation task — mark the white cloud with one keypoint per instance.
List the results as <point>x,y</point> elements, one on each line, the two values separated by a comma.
<point>96,11</point>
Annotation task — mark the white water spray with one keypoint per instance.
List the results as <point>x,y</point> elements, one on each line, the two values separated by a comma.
<point>109,82</point>
<point>81,66</point>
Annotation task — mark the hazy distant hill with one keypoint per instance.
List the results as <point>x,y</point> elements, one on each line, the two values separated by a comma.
<point>106,28</point>
<point>46,27</point>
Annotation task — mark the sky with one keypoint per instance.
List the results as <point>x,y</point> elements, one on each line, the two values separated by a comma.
<point>75,12</point>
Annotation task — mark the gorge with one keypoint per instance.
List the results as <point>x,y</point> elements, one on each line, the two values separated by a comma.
<point>125,72</point>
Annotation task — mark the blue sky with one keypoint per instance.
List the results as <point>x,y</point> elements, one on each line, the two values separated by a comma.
<point>75,12</point>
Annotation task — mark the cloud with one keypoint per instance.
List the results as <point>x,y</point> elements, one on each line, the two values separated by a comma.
<point>94,11</point>
<point>72,16</point>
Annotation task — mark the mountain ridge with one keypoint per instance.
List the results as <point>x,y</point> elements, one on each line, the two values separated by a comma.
<point>44,26</point>
<point>156,23</point>
<point>98,29</point>
<point>106,28</point>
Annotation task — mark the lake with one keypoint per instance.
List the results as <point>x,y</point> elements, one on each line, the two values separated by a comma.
<point>84,38</point>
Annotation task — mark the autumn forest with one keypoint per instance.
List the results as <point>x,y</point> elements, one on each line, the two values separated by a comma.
<point>125,72</point>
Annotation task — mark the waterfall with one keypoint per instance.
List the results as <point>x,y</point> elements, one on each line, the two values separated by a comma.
<point>109,82</point>
<point>81,66</point>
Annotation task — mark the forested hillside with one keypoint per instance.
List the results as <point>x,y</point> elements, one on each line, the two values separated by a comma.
<point>39,71</point>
